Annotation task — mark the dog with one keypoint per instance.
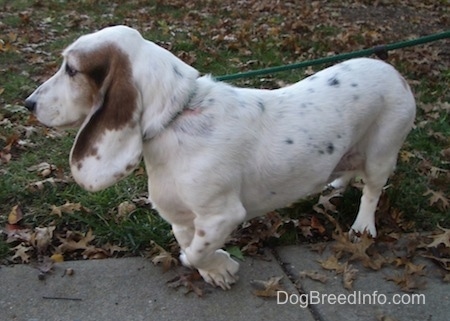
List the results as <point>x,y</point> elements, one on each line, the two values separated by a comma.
<point>215,154</point>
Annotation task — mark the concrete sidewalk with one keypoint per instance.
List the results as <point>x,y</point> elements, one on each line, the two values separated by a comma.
<point>133,289</point>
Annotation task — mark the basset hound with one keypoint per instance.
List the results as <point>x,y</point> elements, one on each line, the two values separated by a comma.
<point>216,154</point>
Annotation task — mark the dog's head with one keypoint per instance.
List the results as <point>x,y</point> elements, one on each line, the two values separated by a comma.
<point>119,88</point>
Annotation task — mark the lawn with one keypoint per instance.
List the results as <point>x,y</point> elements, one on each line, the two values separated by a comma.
<point>43,212</point>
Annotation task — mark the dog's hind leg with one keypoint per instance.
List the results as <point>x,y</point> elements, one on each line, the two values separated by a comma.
<point>381,157</point>
<point>375,176</point>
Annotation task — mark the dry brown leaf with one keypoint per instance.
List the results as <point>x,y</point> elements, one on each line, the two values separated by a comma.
<point>16,215</point>
<point>161,256</point>
<point>95,253</point>
<point>413,269</point>
<point>442,261</point>
<point>438,198</point>
<point>57,258</point>
<point>41,167</point>
<point>332,263</point>
<point>21,252</point>
<point>407,282</point>
<point>42,238</point>
<point>348,276</point>
<point>267,288</point>
<point>75,241</point>
<point>358,250</point>
<point>406,156</point>
<point>124,209</point>
<point>314,275</point>
<point>39,185</point>
<point>189,281</point>
<point>443,238</point>
<point>112,248</point>
<point>67,208</point>
<point>15,233</point>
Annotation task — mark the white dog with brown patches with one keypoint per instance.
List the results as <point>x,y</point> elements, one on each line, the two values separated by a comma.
<point>217,155</point>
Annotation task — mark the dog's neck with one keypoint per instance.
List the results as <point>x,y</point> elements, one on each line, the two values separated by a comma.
<point>187,104</point>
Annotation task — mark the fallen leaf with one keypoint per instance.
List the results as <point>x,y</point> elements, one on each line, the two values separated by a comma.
<point>314,275</point>
<point>332,263</point>
<point>358,250</point>
<point>41,167</point>
<point>39,185</point>
<point>57,258</point>
<point>437,198</point>
<point>267,288</point>
<point>95,253</point>
<point>16,232</point>
<point>75,241</point>
<point>42,238</point>
<point>161,256</point>
<point>348,276</point>
<point>443,238</point>
<point>188,280</point>
<point>21,252</point>
<point>112,248</point>
<point>407,282</point>
<point>124,209</point>
<point>67,208</point>
<point>413,269</point>
<point>16,215</point>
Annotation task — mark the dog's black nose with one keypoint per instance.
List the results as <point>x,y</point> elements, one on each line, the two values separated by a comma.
<point>30,104</point>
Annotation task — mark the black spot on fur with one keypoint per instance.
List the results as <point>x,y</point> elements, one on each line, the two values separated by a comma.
<point>354,85</point>
<point>289,141</point>
<point>261,106</point>
<point>333,81</point>
<point>330,148</point>
<point>273,193</point>
<point>177,72</point>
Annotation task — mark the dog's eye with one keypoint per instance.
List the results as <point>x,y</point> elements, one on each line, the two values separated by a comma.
<point>70,71</point>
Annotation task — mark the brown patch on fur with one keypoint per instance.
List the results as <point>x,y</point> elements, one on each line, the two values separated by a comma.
<point>201,233</point>
<point>130,167</point>
<point>119,175</point>
<point>107,69</point>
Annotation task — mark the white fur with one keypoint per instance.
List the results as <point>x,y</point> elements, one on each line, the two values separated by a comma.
<point>217,155</point>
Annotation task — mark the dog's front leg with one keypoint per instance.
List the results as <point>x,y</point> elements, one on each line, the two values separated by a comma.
<point>204,253</point>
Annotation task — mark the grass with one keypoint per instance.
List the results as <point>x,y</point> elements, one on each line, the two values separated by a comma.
<point>36,32</point>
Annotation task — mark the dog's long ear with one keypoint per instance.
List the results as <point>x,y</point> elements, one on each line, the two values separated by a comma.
<point>108,145</point>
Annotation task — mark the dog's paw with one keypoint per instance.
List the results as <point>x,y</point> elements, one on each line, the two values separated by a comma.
<point>184,260</point>
<point>358,229</point>
<point>223,273</point>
